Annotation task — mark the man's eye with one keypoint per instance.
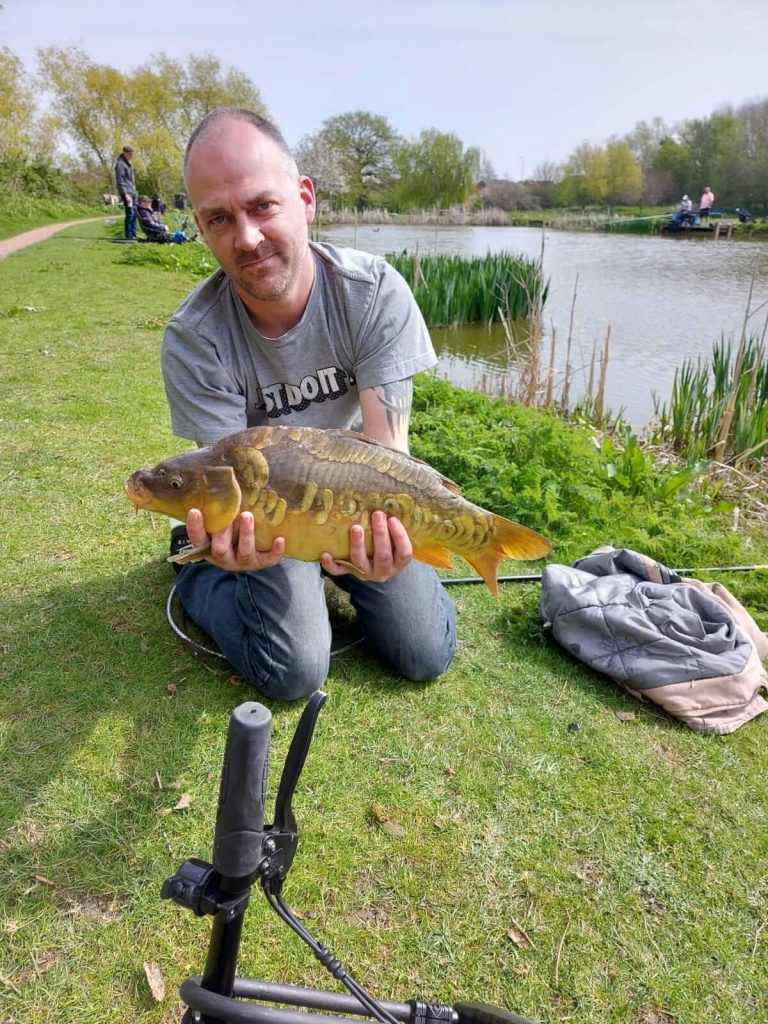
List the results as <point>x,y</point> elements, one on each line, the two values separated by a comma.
<point>217,221</point>
<point>266,205</point>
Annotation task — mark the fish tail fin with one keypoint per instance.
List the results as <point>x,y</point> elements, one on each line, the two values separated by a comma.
<point>508,539</point>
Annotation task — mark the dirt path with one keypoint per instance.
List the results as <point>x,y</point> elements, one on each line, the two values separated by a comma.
<point>9,245</point>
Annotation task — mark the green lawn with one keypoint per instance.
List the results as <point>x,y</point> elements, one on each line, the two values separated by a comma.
<point>548,856</point>
<point>25,217</point>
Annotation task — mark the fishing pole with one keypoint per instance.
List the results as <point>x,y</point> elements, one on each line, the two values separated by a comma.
<point>536,577</point>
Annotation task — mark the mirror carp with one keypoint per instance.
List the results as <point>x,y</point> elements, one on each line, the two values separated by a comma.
<point>310,485</point>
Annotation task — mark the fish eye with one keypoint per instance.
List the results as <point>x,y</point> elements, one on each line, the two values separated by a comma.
<point>175,482</point>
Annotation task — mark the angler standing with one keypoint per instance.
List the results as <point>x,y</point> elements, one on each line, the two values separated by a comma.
<point>289,332</point>
<point>126,189</point>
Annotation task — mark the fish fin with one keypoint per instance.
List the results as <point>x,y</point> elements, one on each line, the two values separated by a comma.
<point>223,497</point>
<point>510,539</point>
<point>434,554</point>
<point>190,553</point>
<point>518,541</point>
<point>354,569</point>
<point>357,436</point>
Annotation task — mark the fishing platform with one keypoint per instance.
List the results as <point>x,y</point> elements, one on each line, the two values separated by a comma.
<point>716,230</point>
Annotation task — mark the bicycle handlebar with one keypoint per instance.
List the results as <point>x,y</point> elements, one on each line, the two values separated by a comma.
<point>237,843</point>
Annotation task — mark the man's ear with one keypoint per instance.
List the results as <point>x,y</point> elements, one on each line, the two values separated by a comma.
<point>307,196</point>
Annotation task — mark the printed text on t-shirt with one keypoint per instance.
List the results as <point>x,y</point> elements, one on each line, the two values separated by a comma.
<point>281,399</point>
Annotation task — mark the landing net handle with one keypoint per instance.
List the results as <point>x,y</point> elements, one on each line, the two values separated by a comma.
<point>247,851</point>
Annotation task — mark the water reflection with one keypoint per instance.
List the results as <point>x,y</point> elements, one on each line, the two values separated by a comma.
<point>664,299</point>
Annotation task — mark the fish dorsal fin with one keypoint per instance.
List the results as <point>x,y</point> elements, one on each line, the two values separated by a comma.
<point>364,438</point>
<point>223,497</point>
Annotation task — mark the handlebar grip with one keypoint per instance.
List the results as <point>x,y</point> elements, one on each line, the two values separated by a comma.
<point>237,843</point>
<point>483,1013</point>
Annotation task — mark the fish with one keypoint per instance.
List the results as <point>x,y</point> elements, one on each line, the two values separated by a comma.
<point>310,485</point>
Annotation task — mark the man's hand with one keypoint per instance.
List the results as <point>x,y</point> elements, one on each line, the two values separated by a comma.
<point>234,555</point>
<point>128,201</point>
<point>392,550</point>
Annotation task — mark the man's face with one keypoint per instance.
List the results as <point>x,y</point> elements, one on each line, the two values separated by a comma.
<point>253,211</point>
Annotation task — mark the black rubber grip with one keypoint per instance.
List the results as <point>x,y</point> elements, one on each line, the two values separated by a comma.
<point>482,1013</point>
<point>237,844</point>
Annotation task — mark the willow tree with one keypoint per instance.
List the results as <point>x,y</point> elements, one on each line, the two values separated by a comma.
<point>154,108</point>
<point>17,101</point>
<point>435,170</point>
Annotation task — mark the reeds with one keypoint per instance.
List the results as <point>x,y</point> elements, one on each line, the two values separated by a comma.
<point>719,409</point>
<point>457,289</point>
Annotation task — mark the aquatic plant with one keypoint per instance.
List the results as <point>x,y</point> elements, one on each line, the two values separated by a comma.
<point>718,409</point>
<point>457,289</point>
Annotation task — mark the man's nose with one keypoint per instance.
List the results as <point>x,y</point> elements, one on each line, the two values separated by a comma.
<point>247,233</point>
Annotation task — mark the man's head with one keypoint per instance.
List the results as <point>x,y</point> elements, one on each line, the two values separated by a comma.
<point>251,205</point>
<point>128,153</point>
<point>145,201</point>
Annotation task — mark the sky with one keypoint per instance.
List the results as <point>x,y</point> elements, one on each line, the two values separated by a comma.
<point>525,81</point>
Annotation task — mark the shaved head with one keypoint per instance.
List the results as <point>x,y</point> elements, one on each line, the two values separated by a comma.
<point>215,123</point>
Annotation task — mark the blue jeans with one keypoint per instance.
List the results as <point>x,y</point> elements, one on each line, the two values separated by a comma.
<point>273,625</point>
<point>130,219</point>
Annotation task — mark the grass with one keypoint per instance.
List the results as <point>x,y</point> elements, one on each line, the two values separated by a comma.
<point>631,854</point>
<point>24,215</point>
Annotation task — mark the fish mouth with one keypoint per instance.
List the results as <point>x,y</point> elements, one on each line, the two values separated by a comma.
<point>136,493</point>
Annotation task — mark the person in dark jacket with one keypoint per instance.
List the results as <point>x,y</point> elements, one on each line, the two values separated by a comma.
<point>126,189</point>
<point>153,227</point>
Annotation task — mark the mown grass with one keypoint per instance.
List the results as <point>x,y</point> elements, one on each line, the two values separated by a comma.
<point>22,215</point>
<point>630,853</point>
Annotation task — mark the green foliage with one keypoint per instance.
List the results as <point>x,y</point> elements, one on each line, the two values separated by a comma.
<point>154,108</point>
<point>531,466</point>
<point>457,289</point>
<point>363,145</point>
<point>721,403</point>
<point>435,170</point>
<point>189,258</point>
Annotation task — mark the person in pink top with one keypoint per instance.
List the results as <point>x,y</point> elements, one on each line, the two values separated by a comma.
<point>705,205</point>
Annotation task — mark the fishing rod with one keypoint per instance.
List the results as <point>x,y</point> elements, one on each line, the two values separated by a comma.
<point>536,577</point>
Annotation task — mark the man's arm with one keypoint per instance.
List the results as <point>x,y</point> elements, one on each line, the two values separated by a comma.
<point>386,412</point>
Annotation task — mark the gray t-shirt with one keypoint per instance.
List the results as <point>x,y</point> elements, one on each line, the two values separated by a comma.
<point>361,329</point>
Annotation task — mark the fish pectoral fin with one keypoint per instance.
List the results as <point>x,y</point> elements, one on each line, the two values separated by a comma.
<point>354,569</point>
<point>434,554</point>
<point>190,553</point>
<point>222,497</point>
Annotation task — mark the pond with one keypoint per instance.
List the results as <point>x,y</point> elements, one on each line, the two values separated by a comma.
<point>665,299</point>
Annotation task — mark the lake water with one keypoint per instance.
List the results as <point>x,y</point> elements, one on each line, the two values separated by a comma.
<point>665,299</point>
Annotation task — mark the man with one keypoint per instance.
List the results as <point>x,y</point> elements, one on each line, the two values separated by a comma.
<point>290,332</point>
<point>153,227</point>
<point>126,189</point>
<point>707,201</point>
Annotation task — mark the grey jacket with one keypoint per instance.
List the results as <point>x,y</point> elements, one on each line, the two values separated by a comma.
<point>688,646</point>
<point>124,178</point>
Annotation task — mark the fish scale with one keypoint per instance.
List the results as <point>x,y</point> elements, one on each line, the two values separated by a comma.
<point>309,486</point>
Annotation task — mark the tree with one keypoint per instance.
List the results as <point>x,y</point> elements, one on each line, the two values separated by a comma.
<point>585,177</point>
<point>623,173</point>
<point>364,143</point>
<point>17,105</point>
<point>671,173</point>
<point>435,170</point>
<point>154,108</point>
<point>321,162</point>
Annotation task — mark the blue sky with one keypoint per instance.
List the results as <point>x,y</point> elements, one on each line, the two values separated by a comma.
<point>524,80</point>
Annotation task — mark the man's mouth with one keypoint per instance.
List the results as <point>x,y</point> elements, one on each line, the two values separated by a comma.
<point>256,259</point>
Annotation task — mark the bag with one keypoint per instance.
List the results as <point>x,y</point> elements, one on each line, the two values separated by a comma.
<point>688,646</point>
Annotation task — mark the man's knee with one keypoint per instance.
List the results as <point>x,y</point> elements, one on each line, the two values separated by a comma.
<point>296,674</point>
